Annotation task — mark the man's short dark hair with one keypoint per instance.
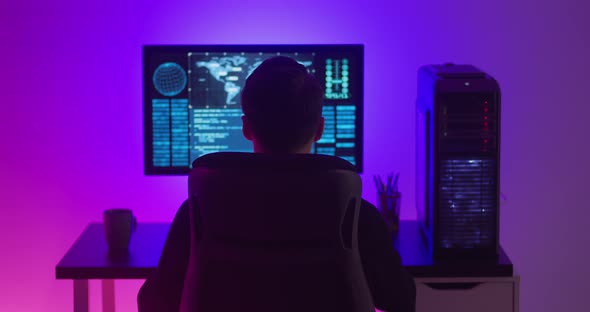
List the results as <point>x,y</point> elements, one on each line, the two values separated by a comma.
<point>283,104</point>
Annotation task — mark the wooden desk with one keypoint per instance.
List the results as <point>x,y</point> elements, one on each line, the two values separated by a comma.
<point>88,259</point>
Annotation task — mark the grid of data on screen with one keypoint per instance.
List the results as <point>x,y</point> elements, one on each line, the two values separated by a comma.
<point>170,138</point>
<point>339,138</point>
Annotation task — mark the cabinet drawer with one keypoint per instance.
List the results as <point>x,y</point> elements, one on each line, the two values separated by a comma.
<point>464,297</point>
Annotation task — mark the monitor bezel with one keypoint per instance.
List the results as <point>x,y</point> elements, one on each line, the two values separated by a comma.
<point>354,49</point>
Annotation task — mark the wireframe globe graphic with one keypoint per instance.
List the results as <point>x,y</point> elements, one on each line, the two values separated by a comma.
<point>169,79</point>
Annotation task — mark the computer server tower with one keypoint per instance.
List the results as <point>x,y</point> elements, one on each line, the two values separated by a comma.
<point>458,161</point>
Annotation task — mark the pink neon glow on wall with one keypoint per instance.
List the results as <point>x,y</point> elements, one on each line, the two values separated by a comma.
<point>71,119</point>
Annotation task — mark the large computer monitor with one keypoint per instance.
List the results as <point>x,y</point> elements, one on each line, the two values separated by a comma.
<point>192,100</point>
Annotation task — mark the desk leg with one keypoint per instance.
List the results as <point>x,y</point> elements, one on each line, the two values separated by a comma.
<point>108,295</point>
<point>80,295</point>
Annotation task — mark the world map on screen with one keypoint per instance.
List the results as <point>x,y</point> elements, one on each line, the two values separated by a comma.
<point>218,78</point>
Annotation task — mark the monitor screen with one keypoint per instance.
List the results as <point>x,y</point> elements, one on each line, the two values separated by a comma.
<point>192,100</point>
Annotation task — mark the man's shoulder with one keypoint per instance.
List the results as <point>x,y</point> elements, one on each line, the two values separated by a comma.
<point>369,215</point>
<point>365,205</point>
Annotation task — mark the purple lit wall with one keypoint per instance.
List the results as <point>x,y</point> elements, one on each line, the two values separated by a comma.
<point>71,119</point>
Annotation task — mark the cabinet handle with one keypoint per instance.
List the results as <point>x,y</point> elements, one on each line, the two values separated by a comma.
<point>452,286</point>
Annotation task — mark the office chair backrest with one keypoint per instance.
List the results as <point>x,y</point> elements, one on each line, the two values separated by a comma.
<point>274,233</point>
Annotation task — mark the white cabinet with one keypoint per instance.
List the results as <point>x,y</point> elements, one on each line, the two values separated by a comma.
<point>458,294</point>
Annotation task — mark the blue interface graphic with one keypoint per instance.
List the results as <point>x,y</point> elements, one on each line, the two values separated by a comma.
<point>169,79</point>
<point>337,79</point>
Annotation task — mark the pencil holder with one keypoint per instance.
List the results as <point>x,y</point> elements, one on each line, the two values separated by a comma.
<point>389,207</point>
